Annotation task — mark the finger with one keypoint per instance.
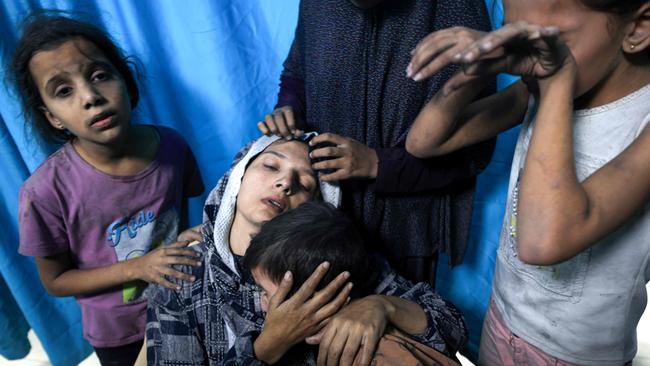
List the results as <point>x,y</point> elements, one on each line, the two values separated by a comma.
<point>190,236</point>
<point>323,348</point>
<point>435,65</point>
<point>429,52</point>
<point>178,244</point>
<point>367,351</point>
<point>170,272</point>
<point>326,152</point>
<point>316,338</point>
<point>350,350</point>
<point>263,128</point>
<point>499,38</point>
<point>329,164</point>
<point>281,123</point>
<point>323,296</point>
<point>335,348</point>
<point>335,176</point>
<point>282,291</point>
<point>327,137</point>
<point>309,286</point>
<point>180,252</point>
<point>177,260</point>
<point>270,124</point>
<point>335,305</point>
<point>163,281</point>
<point>290,119</point>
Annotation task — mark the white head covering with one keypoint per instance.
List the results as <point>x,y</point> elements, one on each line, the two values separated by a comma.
<point>226,197</point>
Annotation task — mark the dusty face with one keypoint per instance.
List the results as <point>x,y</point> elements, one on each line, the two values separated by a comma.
<point>594,38</point>
<point>269,287</point>
<point>278,180</point>
<point>82,91</point>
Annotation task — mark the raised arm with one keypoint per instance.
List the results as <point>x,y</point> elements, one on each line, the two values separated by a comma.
<point>559,216</point>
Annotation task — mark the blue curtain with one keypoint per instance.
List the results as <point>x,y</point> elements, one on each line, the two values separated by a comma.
<point>210,70</point>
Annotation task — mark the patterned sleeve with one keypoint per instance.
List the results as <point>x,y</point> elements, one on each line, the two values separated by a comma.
<point>446,329</point>
<point>242,352</point>
<point>172,337</point>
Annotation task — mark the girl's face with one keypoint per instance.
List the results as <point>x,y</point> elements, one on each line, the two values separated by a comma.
<point>595,39</point>
<point>82,92</point>
<point>279,179</point>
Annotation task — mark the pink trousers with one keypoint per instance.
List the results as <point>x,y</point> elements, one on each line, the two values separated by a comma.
<point>500,347</point>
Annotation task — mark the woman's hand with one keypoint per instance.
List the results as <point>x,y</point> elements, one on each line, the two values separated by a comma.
<point>290,322</point>
<point>352,335</point>
<point>348,158</point>
<point>155,265</point>
<point>280,122</point>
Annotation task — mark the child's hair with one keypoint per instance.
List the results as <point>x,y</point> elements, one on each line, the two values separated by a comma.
<point>300,239</point>
<point>46,30</point>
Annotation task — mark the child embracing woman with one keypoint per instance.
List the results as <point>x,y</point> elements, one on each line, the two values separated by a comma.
<point>574,254</point>
<point>98,212</point>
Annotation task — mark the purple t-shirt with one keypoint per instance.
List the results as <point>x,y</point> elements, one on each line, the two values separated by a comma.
<point>66,205</point>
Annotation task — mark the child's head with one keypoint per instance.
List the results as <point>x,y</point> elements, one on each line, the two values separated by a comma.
<point>301,239</point>
<point>72,80</point>
<point>606,37</point>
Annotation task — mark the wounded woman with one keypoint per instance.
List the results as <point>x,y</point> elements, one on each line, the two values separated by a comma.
<point>200,322</point>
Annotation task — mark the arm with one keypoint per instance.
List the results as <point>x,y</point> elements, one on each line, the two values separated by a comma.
<point>559,216</point>
<point>449,122</point>
<point>444,327</point>
<point>60,276</point>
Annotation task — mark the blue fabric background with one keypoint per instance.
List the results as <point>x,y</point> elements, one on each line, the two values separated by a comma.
<point>210,70</point>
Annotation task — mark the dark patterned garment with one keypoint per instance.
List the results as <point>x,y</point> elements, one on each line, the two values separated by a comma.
<point>346,74</point>
<point>188,327</point>
<point>199,324</point>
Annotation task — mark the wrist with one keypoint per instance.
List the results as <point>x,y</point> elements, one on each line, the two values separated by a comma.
<point>131,269</point>
<point>564,78</point>
<point>386,305</point>
<point>265,349</point>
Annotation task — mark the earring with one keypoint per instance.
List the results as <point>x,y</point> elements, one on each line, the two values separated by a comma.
<point>632,46</point>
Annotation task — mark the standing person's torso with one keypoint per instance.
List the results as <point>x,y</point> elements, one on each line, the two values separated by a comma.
<point>101,219</point>
<point>584,310</point>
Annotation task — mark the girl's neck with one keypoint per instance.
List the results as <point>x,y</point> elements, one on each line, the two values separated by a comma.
<point>623,81</point>
<point>241,233</point>
<point>126,156</point>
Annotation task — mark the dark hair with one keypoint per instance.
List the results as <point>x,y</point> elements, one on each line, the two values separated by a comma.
<point>300,239</point>
<point>46,30</point>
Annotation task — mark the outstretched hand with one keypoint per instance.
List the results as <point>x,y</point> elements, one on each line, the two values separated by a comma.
<point>520,48</point>
<point>290,321</point>
<point>156,265</point>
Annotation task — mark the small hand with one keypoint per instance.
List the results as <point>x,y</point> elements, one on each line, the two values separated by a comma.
<point>352,335</point>
<point>348,159</point>
<point>521,48</point>
<point>290,322</point>
<point>281,122</point>
<point>155,265</point>
<point>438,50</point>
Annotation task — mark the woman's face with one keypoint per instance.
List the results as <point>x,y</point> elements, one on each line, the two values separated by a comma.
<point>279,179</point>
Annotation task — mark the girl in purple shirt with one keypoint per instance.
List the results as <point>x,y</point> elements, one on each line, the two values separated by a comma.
<point>97,213</point>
